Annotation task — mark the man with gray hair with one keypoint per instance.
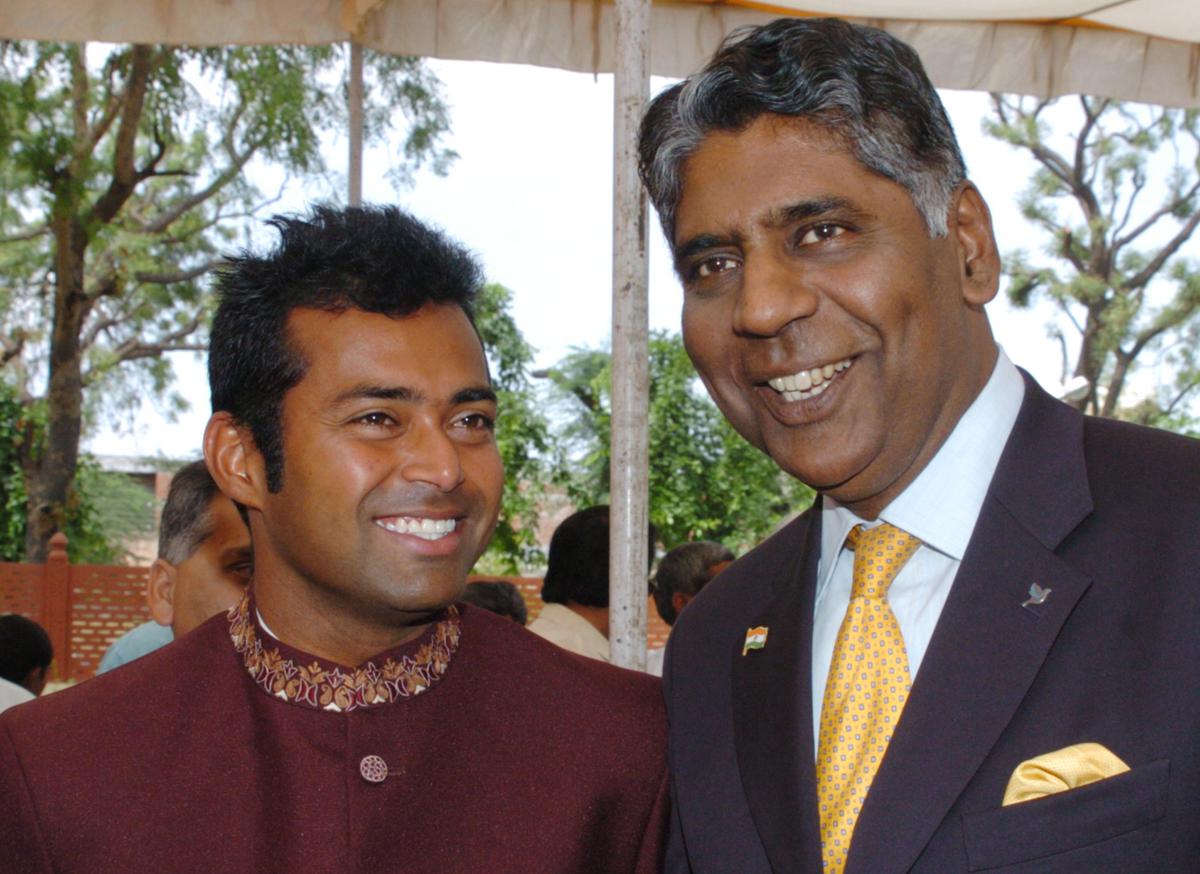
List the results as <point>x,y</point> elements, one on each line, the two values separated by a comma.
<point>681,574</point>
<point>975,651</point>
<point>202,569</point>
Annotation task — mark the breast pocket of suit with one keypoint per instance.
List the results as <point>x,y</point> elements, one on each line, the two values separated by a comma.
<point>1067,820</point>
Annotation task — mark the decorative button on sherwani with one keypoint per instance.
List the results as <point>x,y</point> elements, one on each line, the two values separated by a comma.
<point>373,769</point>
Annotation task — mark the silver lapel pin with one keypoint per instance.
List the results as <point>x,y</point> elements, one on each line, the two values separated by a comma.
<point>1037,596</point>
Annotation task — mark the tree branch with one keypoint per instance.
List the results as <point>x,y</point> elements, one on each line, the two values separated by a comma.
<point>101,326</point>
<point>1139,183</point>
<point>108,114</point>
<point>1160,258</point>
<point>1071,318</point>
<point>31,234</point>
<point>124,173</point>
<point>1163,211</point>
<point>178,275</point>
<point>1183,392</point>
<point>12,345</point>
<point>1065,357</point>
<point>134,348</point>
<point>79,107</point>
<point>165,219</point>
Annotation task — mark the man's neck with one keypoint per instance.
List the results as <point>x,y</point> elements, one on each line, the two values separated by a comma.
<point>328,630</point>
<point>596,616</point>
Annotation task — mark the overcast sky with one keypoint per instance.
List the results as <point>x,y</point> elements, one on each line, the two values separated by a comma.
<point>531,195</point>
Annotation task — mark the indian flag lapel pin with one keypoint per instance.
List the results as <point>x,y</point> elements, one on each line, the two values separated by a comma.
<point>756,638</point>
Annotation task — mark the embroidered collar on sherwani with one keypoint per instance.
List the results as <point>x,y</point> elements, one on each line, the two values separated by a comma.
<point>292,676</point>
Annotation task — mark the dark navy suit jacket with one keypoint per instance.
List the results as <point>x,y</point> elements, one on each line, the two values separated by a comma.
<point>1104,514</point>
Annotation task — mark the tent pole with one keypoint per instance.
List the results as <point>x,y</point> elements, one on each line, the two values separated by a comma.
<point>630,346</point>
<point>354,99</point>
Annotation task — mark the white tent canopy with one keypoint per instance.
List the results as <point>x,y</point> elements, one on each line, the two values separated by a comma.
<point>1145,50</point>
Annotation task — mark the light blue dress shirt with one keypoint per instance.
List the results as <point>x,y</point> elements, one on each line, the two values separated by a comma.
<point>134,644</point>
<point>940,507</point>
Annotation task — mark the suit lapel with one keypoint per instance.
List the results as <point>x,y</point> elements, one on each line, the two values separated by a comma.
<point>772,711</point>
<point>987,649</point>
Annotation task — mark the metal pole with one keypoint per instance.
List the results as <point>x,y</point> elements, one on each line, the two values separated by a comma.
<point>354,97</point>
<point>629,473</point>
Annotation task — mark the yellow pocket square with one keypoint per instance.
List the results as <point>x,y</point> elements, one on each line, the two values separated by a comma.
<point>1068,768</point>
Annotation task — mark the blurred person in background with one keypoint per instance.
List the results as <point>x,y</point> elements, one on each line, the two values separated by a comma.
<point>575,589</point>
<point>498,596</point>
<point>681,574</point>
<point>25,657</point>
<point>202,569</point>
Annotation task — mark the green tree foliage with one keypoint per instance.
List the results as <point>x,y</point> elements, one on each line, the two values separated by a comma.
<point>12,480</point>
<point>706,482</point>
<point>522,432</point>
<point>103,509</point>
<point>124,172</point>
<point>1117,198</point>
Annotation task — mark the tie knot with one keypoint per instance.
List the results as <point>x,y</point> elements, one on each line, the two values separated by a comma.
<point>879,553</point>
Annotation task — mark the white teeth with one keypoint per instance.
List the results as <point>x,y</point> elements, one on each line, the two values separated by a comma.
<point>807,383</point>
<point>425,528</point>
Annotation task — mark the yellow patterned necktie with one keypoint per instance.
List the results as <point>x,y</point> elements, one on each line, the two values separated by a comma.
<point>866,690</point>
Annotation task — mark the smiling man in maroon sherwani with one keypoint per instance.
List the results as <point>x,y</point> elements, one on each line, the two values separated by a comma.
<point>347,715</point>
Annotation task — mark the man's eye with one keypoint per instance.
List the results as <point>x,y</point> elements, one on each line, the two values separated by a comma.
<point>476,422</point>
<point>375,419</point>
<point>714,265</point>
<point>821,232</point>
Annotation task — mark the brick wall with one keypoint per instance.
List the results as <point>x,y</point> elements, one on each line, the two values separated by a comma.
<point>84,608</point>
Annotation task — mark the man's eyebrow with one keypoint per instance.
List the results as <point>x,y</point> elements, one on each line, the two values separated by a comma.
<point>700,243</point>
<point>474,395</point>
<point>404,393</point>
<point>808,209</point>
<point>377,393</point>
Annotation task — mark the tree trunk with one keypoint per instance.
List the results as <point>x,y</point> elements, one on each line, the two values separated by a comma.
<point>1089,365</point>
<point>1116,384</point>
<point>50,469</point>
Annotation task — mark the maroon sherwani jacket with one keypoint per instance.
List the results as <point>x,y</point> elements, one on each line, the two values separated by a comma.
<point>477,747</point>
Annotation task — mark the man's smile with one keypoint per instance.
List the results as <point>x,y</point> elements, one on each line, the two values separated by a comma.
<point>809,383</point>
<point>419,526</point>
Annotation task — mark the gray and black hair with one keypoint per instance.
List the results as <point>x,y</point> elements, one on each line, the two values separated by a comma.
<point>688,569</point>
<point>865,87</point>
<point>187,517</point>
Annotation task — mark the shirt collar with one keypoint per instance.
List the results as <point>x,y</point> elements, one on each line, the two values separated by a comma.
<point>300,678</point>
<point>941,505</point>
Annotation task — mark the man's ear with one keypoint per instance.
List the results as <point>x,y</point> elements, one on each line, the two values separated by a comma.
<point>160,592</point>
<point>234,461</point>
<point>971,226</point>
<point>35,680</point>
<point>679,600</point>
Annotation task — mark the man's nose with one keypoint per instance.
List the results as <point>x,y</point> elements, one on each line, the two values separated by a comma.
<point>773,294</point>
<point>432,457</point>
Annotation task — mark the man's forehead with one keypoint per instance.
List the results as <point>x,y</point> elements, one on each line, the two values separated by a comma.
<point>432,352</point>
<point>317,323</point>
<point>728,163</point>
<point>799,132</point>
